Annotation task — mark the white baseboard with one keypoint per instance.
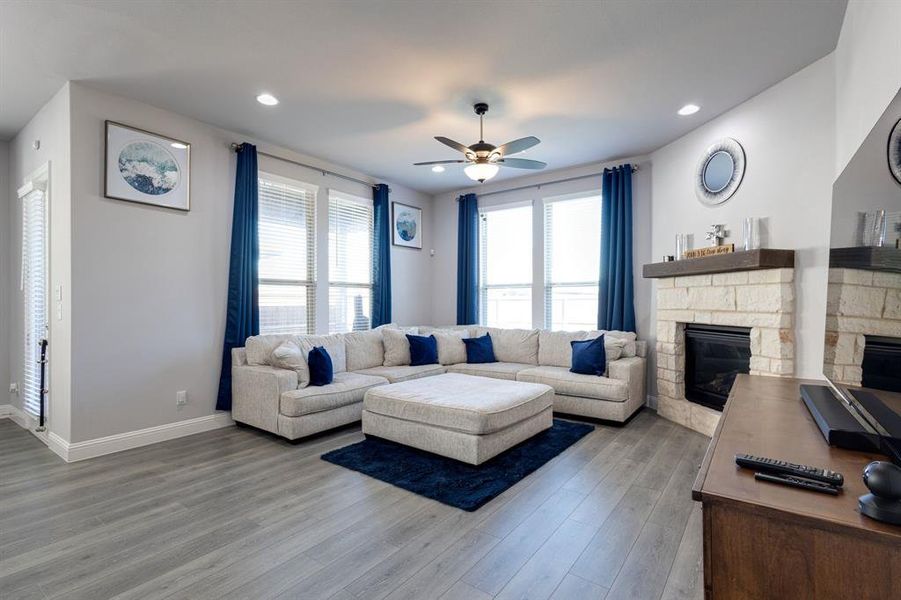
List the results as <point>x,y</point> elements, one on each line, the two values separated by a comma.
<point>18,416</point>
<point>71,452</point>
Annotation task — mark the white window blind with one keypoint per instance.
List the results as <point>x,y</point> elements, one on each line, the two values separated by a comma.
<point>350,262</point>
<point>287,267</point>
<point>505,267</point>
<point>572,248</point>
<point>34,289</point>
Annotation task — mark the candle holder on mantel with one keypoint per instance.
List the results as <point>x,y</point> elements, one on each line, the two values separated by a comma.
<point>683,243</point>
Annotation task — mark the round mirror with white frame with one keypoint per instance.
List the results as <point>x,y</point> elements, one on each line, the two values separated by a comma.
<point>719,172</point>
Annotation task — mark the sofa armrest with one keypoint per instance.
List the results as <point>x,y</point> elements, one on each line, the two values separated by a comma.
<point>641,348</point>
<point>257,392</point>
<point>632,370</point>
<point>239,357</point>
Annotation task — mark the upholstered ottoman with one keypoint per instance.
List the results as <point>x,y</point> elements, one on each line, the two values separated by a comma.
<point>464,417</point>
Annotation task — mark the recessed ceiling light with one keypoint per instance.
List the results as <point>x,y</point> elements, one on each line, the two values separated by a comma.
<point>267,99</point>
<point>178,145</point>
<point>437,169</point>
<point>689,109</point>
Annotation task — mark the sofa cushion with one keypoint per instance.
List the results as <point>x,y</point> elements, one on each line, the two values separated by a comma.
<point>566,383</point>
<point>473,405</point>
<point>555,347</point>
<point>346,388</point>
<point>464,329</point>
<point>364,349</point>
<point>397,348</point>
<point>496,370</point>
<point>513,345</point>
<point>404,372</point>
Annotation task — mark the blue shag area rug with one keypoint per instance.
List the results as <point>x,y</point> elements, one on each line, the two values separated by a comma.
<point>450,481</point>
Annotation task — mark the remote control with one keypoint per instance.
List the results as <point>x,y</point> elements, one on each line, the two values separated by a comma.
<point>806,484</point>
<point>771,465</point>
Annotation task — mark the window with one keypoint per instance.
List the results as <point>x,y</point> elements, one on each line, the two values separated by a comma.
<point>350,262</point>
<point>572,242</point>
<point>287,268</point>
<point>34,289</point>
<point>505,267</point>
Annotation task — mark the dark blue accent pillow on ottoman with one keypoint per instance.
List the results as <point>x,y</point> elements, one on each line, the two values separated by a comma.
<point>479,350</point>
<point>423,350</point>
<point>320,363</point>
<point>589,357</point>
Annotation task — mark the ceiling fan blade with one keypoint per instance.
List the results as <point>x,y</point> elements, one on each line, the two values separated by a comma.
<point>438,162</point>
<point>518,145</point>
<point>522,163</point>
<point>453,144</point>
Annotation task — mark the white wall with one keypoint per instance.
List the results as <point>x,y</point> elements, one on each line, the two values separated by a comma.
<point>868,71</point>
<point>867,184</point>
<point>149,305</point>
<point>51,127</point>
<point>444,224</point>
<point>5,266</point>
<point>788,136</point>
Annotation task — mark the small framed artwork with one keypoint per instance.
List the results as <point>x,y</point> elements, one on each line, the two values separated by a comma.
<point>406,223</point>
<point>145,167</point>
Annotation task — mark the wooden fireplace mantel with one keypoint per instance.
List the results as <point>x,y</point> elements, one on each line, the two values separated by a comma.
<point>749,260</point>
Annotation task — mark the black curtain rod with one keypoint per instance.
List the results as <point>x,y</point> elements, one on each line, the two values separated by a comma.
<point>538,185</point>
<point>237,148</point>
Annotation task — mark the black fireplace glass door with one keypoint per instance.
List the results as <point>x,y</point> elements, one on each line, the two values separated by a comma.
<point>714,355</point>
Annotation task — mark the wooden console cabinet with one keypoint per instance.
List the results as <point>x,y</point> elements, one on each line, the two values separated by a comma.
<point>769,541</point>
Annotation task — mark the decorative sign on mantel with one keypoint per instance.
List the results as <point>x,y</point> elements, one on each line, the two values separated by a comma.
<point>709,251</point>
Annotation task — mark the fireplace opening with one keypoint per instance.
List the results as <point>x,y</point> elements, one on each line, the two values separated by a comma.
<point>881,361</point>
<point>714,355</point>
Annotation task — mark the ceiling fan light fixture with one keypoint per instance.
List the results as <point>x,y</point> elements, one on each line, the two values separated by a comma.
<point>481,172</point>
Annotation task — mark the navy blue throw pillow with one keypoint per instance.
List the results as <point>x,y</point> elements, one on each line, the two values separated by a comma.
<point>589,357</point>
<point>320,366</point>
<point>423,350</point>
<point>479,350</point>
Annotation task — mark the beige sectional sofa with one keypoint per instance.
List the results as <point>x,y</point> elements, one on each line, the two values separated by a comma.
<point>268,396</point>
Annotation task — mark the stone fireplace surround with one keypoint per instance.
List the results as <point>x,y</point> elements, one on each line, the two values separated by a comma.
<point>859,303</point>
<point>763,300</point>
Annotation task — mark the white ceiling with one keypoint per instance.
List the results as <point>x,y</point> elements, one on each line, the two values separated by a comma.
<point>368,83</point>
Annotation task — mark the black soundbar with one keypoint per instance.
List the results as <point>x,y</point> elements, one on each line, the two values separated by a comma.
<point>835,421</point>
<point>843,429</point>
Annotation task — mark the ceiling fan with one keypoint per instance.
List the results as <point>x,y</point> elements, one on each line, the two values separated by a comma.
<point>482,159</point>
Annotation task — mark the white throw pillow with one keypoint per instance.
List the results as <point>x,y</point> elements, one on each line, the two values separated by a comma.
<point>397,347</point>
<point>258,348</point>
<point>451,349</point>
<point>628,338</point>
<point>613,347</point>
<point>289,356</point>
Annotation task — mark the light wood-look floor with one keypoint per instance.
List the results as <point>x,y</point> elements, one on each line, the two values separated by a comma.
<point>239,514</point>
